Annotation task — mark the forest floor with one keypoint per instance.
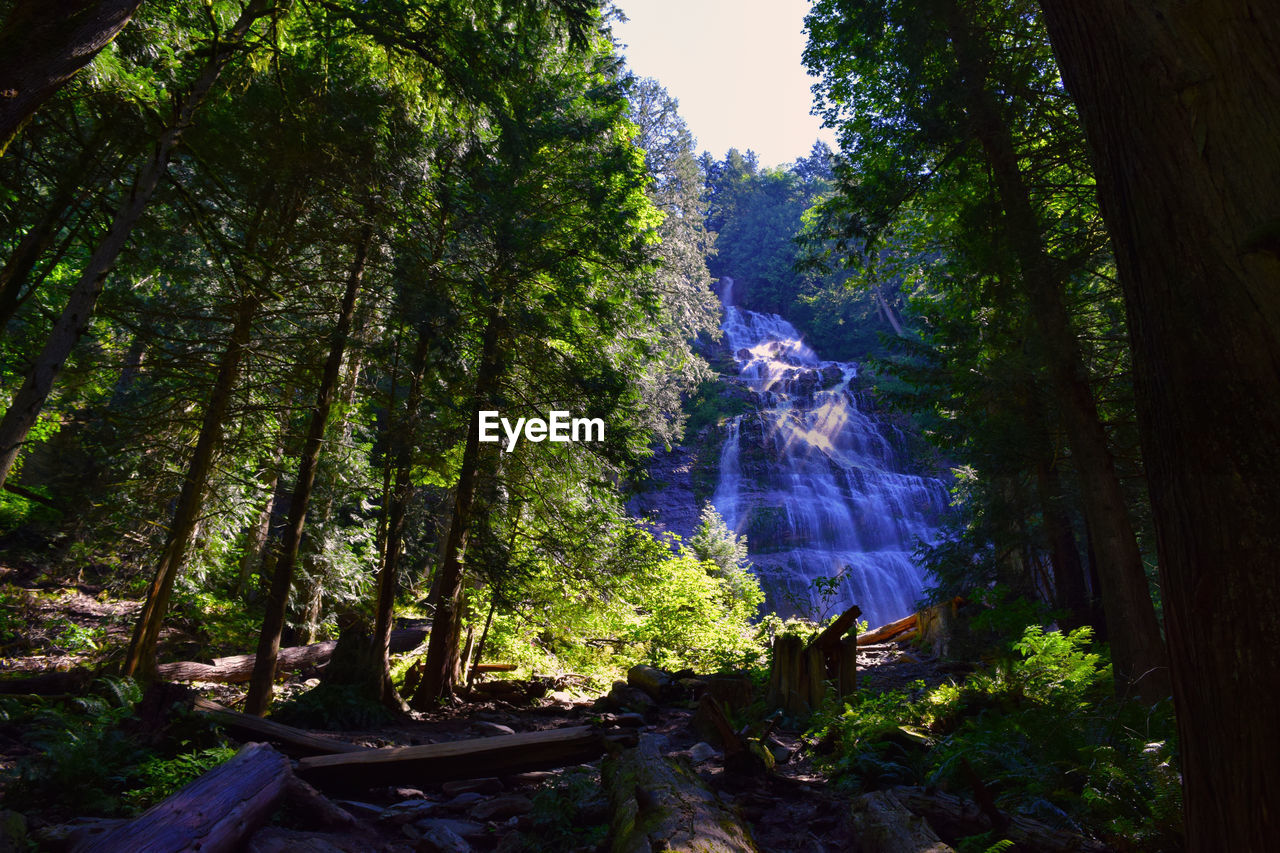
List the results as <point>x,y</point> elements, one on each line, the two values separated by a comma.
<point>793,808</point>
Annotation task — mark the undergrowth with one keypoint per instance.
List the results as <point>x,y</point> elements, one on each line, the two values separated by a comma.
<point>93,760</point>
<point>1040,730</point>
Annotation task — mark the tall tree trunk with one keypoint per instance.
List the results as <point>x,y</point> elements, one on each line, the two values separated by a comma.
<point>140,662</point>
<point>70,325</point>
<point>43,43</point>
<point>1138,653</point>
<point>1181,105</point>
<point>442,648</point>
<point>17,268</point>
<point>398,497</point>
<point>260,685</point>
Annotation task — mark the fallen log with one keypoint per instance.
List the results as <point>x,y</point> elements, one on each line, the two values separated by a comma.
<point>659,804</point>
<point>885,825</point>
<point>239,668</point>
<point>49,683</point>
<point>464,759</point>
<point>296,742</point>
<point>885,632</point>
<point>217,812</point>
<point>955,817</point>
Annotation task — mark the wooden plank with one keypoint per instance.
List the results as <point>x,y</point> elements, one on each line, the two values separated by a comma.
<point>214,814</point>
<point>295,741</point>
<point>463,759</point>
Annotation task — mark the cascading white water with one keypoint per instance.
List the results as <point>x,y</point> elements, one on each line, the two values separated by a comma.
<point>816,484</point>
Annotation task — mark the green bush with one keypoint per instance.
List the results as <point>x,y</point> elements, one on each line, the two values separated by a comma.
<point>1042,732</point>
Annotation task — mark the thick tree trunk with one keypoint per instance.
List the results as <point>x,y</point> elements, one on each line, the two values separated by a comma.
<point>25,407</point>
<point>1181,105</point>
<point>43,43</point>
<point>140,662</point>
<point>1138,653</point>
<point>442,649</point>
<point>260,686</point>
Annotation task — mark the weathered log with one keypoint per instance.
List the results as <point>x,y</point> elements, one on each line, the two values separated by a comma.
<point>49,683</point>
<point>216,812</point>
<point>237,669</point>
<point>295,741</point>
<point>787,687</point>
<point>955,817</point>
<point>482,668</point>
<point>814,676</point>
<point>937,623</point>
<point>655,682</point>
<point>846,675</point>
<point>885,825</point>
<point>830,637</point>
<point>463,759</point>
<point>885,632</point>
<point>662,805</point>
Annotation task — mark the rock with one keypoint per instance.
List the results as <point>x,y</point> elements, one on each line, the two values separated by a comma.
<point>692,686</point>
<point>500,808</point>
<point>442,839</point>
<point>13,831</point>
<point>512,842</point>
<point>781,754</point>
<point>361,810</point>
<point>532,777</point>
<point>629,721</point>
<point>487,729</point>
<point>702,752</point>
<point>622,697</point>
<point>592,812</point>
<point>276,839</point>
<point>467,829</point>
<point>406,793</point>
<point>462,802</point>
<point>408,811</point>
<point>487,785</point>
<point>561,698</point>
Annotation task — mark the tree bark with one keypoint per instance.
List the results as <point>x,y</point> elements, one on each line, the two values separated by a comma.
<point>260,686</point>
<point>140,662</point>
<point>1138,653</point>
<point>43,44</point>
<point>70,325</point>
<point>1181,106</point>
<point>442,649</point>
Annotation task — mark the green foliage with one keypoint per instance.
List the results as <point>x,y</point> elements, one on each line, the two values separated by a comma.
<point>556,818</point>
<point>709,405</point>
<point>156,777</point>
<point>1043,734</point>
<point>92,761</point>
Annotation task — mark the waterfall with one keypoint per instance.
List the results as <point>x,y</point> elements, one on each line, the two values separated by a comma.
<point>815,483</point>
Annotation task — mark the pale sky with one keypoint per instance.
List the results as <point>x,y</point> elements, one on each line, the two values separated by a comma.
<point>735,68</point>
